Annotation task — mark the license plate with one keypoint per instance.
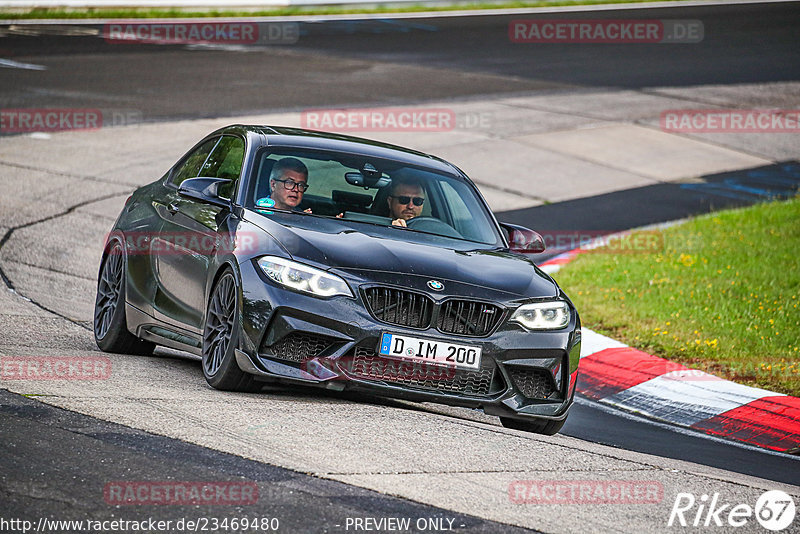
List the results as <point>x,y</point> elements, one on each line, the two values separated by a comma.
<point>428,350</point>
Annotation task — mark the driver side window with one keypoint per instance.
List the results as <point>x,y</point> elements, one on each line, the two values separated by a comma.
<point>190,168</point>
<point>225,161</point>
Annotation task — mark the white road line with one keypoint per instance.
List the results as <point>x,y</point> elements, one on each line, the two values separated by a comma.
<point>592,342</point>
<point>685,398</point>
<point>11,64</point>
<point>349,16</point>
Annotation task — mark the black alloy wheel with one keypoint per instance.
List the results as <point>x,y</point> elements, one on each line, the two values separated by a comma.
<point>110,327</point>
<point>220,339</point>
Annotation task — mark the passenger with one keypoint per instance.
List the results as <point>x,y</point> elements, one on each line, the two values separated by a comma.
<point>405,201</point>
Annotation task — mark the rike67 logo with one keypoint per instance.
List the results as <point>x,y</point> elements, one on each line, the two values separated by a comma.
<point>774,510</point>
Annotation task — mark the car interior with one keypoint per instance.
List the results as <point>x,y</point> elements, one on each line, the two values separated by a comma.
<point>359,192</point>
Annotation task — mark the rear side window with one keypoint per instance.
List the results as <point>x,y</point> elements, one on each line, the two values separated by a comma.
<point>190,168</point>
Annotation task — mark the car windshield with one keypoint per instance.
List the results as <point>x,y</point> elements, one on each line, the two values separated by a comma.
<point>368,190</point>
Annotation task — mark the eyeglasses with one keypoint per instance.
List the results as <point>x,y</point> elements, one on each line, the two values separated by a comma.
<point>418,201</point>
<point>291,184</point>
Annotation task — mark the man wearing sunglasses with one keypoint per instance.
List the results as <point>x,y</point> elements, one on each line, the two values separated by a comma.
<point>405,201</point>
<point>288,181</point>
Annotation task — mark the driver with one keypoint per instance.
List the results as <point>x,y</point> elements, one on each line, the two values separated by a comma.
<point>288,181</point>
<point>405,201</point>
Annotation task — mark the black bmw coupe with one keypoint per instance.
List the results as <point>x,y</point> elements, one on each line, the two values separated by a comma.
<point>287,255</point>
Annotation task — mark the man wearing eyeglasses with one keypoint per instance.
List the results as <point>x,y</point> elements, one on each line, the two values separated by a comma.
<point>405,201</point>
<point>288,181</point>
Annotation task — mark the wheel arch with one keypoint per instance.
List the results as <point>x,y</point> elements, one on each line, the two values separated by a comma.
<point>115,237</point>
<point>228,264</point>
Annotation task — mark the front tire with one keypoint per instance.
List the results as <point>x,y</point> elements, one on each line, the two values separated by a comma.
<point>548,428</point>
<point>110,326</point>
<point>221,337</point>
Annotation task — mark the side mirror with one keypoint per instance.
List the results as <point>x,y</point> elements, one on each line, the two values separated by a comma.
<point>205,190</point>
<point>521,239</point>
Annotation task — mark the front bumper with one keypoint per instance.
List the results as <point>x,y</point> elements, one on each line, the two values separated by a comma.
<point>332,343</point>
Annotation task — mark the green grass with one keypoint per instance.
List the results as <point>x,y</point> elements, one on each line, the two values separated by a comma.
<point>721,295</point>
<point>149,13</point>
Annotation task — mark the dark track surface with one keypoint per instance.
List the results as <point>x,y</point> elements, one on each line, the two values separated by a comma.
<point>389,61</point>
<point>589,422</point>
<point>742,44</point>
<point>56,464</point>
<point>653,204</point>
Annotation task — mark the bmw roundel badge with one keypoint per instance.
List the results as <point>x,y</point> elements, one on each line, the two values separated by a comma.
<point>435,285</point>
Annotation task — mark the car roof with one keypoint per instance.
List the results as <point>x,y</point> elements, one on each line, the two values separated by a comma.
<point>280,136</point>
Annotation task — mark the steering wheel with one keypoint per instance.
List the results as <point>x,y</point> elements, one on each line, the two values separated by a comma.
<point>434,226</point>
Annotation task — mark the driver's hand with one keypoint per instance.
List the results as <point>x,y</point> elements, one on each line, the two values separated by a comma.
<point>399,222</point>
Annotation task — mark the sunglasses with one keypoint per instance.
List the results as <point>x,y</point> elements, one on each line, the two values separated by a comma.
<point>418,201</point>
<point>291,184</point>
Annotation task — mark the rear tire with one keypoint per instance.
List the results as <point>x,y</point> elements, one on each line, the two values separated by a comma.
<point>221,337</point>
<point>548,428</point>
<point>110,326</point>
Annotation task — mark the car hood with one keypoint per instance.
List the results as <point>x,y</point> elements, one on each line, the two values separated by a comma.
<point>358,247</point>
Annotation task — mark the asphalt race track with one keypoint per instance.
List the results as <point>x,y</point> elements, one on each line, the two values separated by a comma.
<point>389,61</point>
<point>318,458</point>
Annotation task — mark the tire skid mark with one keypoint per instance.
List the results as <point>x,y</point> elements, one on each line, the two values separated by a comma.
<point>10,284</point>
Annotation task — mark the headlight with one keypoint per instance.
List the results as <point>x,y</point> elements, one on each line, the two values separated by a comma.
<point>542,315</point>
<point>303,277</point>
